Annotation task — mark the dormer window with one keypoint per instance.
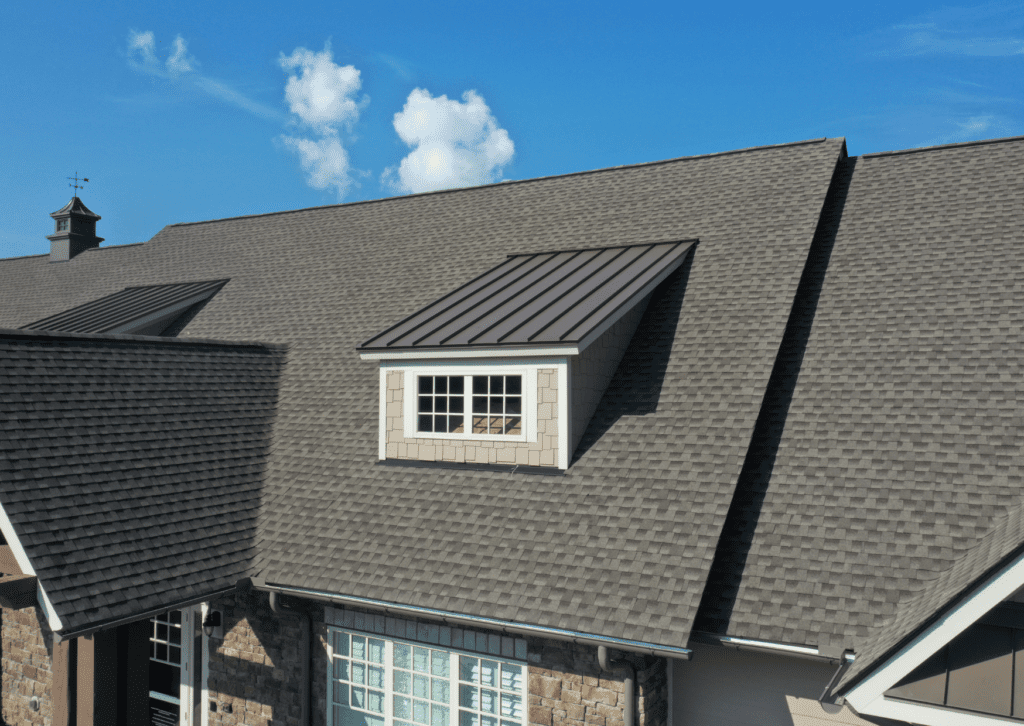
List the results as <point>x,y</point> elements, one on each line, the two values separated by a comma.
<point>62,225</point>
<point>509,368</point>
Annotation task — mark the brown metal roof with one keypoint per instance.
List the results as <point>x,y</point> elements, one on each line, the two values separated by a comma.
<point>538,299</point>
<point>133,305</point>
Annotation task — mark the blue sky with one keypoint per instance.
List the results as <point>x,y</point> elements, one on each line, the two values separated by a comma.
<point>182,111</point>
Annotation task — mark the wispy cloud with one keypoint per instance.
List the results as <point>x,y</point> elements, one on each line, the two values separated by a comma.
<point>322,98</point>
<point>973,128</point>
<point>992,30</point>
<point>180,68</point>
<point>454,144</point>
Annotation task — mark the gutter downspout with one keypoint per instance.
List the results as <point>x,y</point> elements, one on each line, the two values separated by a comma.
<point>629,698</point>
<point>843,665</point>
<point>305,624</point>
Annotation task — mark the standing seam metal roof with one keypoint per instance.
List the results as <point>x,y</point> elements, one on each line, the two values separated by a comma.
<point>539,298</point>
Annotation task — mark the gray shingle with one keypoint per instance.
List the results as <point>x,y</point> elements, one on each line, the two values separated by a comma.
<point>636,518</point>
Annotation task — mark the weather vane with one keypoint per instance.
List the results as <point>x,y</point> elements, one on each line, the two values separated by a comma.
<point>76,180</point>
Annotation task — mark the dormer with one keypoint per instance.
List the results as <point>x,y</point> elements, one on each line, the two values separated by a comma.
<point>508,369</point>
<point>74,231</point>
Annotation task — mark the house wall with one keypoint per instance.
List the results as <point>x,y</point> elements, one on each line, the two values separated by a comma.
<point>592,370</point>
<point>255,669</point>
<point>728,687</point>
<point>543,452</point>
<point>27,645</point>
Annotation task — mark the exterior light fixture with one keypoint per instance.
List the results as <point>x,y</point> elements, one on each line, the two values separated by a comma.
<point>211,622</point>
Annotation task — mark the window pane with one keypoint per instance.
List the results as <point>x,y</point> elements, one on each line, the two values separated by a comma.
<point>358,697</point>
<point>455,404</point>
<point>176,636</point>
<point>441,384</point>
<point>488,701</point>
<point>439,661</point>
<point>175,616</point>
<point>341,644</point>
<point>513,404</point>
<point>479,424</point>
<point>468,669</point>
<point>161,631</point>
<point>419,659</point>
<point>488,721</point>
<point>175,654</point>
<point>403,655</point>
<point>469,697</point>
<point>341,669</point>
<point>513,385</point>
<point>455,425</point>
<point>403,707</point>
<point>376,650</point>
<point>161,651</point>
<point>426,384</point>
<point>511,677</point>
<point>455,385</point>
<point>359,647</point>
<point>514,426</point>
<point>440,405</point>
<point>375,677</point>
<point>479,384</point>
<point>488,673</point>
<point>479,404</point>
<point>375,701</point>
<point>496,424</point>
<point>420,686</point>
<point>403,682</point>
<point>468,718</point>
<point>440,423</point>
<point>425,423</point>
<point>341,693</point>
<point>425,404</point>
<point>511,706</point>
<point>420,711</point>
<point>497,384</point>
<point>438,715</point>
<point>497,405</point>
<point>358,673</point>
<point>439,690</point>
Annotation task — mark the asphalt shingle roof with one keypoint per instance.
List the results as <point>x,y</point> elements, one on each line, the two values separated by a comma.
<point>131,468</point>
<point>902,444</point>
<point>620,546</point>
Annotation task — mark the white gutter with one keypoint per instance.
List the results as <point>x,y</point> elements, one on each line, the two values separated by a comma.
<point>804,651</point>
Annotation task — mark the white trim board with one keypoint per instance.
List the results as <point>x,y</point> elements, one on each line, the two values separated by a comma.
<point>26,567</point>
<point>868,697</point>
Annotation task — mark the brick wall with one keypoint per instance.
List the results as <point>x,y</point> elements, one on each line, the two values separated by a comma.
<point>255,669</point>
<point>568,688</point>
<point>543,452</point>
<point>27,645</point>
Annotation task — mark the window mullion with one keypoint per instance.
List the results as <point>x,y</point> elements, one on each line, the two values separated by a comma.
<point>389,680</point>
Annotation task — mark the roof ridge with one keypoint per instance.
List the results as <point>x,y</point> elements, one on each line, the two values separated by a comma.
<point>506,182</point>
<point>7,333</point>
<point>942,147</point>
<point>91,249</point>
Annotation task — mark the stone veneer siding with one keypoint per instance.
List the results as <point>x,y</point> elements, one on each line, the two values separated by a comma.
<point>27,644</point>
<point>543,452</point>
<point>592,370</point>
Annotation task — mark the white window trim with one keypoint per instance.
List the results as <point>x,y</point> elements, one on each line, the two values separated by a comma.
<point>529,374</point>
<point>453,674</point>
<point>869,697</point>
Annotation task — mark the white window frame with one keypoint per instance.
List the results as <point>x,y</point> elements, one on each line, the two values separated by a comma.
<point>453,676</point>
<point>529,394</point>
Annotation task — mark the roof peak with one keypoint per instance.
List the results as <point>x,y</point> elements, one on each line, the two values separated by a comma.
<point>77,207</point>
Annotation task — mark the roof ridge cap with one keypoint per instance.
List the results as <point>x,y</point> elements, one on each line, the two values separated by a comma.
<point>942,147</point>
<point>506,182</point>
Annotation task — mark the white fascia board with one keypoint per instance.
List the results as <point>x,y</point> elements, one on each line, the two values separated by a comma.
<point>917,713</point>
<point>869,693</point>
<point>630,304</point>
<point>26,567</point>
<point>454,353</point>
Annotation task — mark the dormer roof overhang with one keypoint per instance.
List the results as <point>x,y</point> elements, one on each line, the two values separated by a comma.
<point>533,305</point>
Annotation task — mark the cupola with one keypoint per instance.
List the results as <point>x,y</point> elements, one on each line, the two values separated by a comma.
<point>74,231</point>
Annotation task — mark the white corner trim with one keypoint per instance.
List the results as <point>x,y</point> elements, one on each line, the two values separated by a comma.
<point>929,715</point>
<point>26,567</point>
<point>382,423</point>
<point>868,696</point>
<point>454,353</point>
<point>563,415</point>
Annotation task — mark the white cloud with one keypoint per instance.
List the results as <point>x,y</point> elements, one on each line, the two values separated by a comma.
<point>454,144</point>
<point>180,68</point>
<point>323,94</point>
<point>325,162</point>
<point>990,30</point>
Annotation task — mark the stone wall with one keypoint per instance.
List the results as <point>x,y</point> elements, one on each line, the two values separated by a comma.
<point>568,688</point>
<point>27,645</point>
<point>543,452</point>
<point>255,669</point>
<point>592,370</point>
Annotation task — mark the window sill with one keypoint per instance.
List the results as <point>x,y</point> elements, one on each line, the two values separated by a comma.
<point>499,468</point>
